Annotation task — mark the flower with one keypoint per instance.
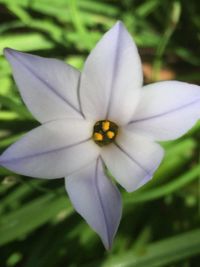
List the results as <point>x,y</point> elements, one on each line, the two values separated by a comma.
<point>100,118</point>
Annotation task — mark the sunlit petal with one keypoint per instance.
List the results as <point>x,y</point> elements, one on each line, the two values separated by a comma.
<point>167,110</point>
<point>52,150</point>
<point>111,77</point>
<point>132,160</point>
<point>47,86</point>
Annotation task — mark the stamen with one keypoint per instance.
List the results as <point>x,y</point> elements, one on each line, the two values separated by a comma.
<point>104,132</point>
<point>97,137</point>
<point>110,134</point>
<point>105,126</point>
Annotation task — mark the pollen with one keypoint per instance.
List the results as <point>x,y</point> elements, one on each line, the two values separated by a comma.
<point>104,132</point>
<point>105,126</point>
<point>110,134</point>
<point>97,137</point>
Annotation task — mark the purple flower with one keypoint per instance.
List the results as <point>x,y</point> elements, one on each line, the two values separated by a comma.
<point>100,118</point>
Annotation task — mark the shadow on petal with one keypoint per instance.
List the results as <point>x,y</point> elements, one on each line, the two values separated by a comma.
<point>96,199</point>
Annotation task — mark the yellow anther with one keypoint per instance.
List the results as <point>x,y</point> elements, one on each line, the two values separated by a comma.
<point>104,132</point>
<point>97,137</point>
<point>110,134</point>
<point>105,126</point>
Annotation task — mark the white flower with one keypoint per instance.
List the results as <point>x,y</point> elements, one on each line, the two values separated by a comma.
<point>102,117</point>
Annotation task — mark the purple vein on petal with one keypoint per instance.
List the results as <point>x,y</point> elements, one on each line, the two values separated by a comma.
<point>114,70</point>
<point>79,97</point>
<point>101,201</point>
<point>149,173</point>
<point>165,113</point>
<point>43,81</point>
<point>44,152</point>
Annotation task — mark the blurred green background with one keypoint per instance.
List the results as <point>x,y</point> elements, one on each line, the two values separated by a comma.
<point>161,221</point>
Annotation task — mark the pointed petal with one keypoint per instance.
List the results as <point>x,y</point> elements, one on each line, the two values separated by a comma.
<point>132,160</point>
<point>96,199</point>
<point>167,110</point>
<point>111,77</point>
<point>47,86</point>
<point>52,150</point>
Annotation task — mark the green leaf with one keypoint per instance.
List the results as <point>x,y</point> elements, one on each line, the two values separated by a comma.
<point>160,253</point>
<point>164,190</point>
<point>25,42</point>
<point>31,215</point>
<point>18,108</point>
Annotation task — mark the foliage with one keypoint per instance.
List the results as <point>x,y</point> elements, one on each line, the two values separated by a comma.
<point>160,225</point>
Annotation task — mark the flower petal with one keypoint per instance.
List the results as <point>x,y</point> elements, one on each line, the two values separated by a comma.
<point>111,77</point>
<point>97,200</point>
<point>52,150</point>
<point>167,110</point>
<point>132,160</point>
<point>47,86</point>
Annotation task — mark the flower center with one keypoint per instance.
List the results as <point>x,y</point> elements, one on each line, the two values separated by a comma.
<point>104,132</point>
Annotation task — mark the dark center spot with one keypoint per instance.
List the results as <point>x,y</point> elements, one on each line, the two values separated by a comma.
<point>104,132</point>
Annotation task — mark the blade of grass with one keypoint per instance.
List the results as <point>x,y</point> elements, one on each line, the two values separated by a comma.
<point>164,190</point>
<point>25,42</point>
<point>32,215</point>
<point>160,253</point>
